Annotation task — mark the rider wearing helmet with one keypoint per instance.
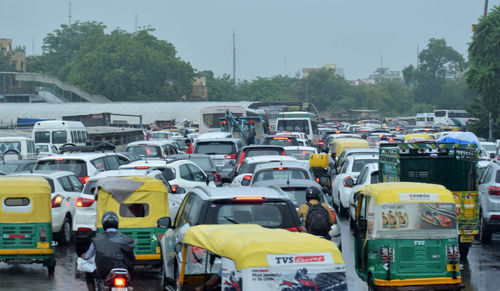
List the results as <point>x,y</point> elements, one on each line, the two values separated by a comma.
<point>112,249</point>
<point>313,197</point>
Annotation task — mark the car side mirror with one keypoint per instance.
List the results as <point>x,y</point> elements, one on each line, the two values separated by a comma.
<point>210,178</point>
<point>164,222</point>
<point>180,190</point>
<point>245,182</point>
<point>349,182</point>
<point>169,174</point>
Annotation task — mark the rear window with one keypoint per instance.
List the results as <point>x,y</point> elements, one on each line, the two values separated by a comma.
<point>16,201</point>
<point>59,136</point>
<point>497,179</point>
<point>267,214</point>
<point>134,210</point>
<point>145,150</point>
<point>276,174</point>
<point>262,152</point>
<point>10,145</point>
<point>299,125</point>
<point>280,141</point>
<point>78,167</point>
<point>89,187</point>
<point>215,148</point>
<point>359,164</point>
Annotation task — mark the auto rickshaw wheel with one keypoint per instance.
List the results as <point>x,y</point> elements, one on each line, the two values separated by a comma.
<point>64,235</point>
<point>463,249</point>
<point>51,270</point>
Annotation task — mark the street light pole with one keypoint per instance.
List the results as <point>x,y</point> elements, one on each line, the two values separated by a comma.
<point>485,7</point>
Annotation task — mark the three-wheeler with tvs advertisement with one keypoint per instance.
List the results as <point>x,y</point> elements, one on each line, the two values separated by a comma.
<point>452,165</point>
<point>406,237</point>
<point>251,257</point>
<point>139,202</point>
<point>26,222</point>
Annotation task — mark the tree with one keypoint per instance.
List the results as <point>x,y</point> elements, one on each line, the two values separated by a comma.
<point>484,72</point>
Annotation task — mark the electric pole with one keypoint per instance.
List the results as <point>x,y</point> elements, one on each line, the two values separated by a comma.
<point>135,23</point>
<point>69,15</point>
<point>234,58</point>
<point>485,7</point>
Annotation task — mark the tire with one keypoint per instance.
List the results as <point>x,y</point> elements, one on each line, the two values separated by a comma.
<point>51,270</point>
<point>371,287</point>
<point>463,249</point>
<point>64,235</point>
<point>343,212</point>
<point>484,234</point>
<point>12,151</point>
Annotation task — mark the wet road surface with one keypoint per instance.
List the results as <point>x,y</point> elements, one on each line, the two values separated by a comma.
<point>481,270</point>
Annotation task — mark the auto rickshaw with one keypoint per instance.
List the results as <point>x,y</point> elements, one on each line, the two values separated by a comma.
<point>406,237</point>
<point>320,166</point>
<point>419,137</point>
<point>26,221</point>
<point>337,146</point>
<point>139,202</point>
<point>251,257</point>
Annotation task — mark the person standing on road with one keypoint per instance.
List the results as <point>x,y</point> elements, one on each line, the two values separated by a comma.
<point>111,249</point>
<point>317,217</point>
<point>190,147</point>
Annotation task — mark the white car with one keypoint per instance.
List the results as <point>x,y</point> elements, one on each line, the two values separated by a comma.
<point>367,176</point>
<point>246,169</point>
<point>283,171</point>
<point>45,150</point>
<point>85,212</point>
<point>490,148</point>
<point>65,188</point>
<point>344,180</point>
<point>152,149</point>
<point>300,152</point>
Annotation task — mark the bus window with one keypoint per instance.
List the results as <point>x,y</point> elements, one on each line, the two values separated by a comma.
<point>73,137</point>
<point>42,137</point>
<point>59,136</point>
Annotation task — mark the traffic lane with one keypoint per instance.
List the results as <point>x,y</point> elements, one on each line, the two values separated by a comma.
<point>480,270</point>
<point>23,276</point>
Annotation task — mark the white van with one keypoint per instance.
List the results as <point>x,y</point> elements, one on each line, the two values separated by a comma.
<point>18,147</point>
<point>60,132</point>
<point>299,121</point>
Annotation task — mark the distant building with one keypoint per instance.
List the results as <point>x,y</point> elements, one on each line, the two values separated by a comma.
<point>18,58</point>
<point>200,91</point>
<point>380,75</point>
<point>329,67</point>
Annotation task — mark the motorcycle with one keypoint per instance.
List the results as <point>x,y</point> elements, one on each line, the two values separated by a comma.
<point>117,280</point>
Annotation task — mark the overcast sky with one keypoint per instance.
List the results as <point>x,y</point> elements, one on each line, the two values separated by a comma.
<point>272,36</point>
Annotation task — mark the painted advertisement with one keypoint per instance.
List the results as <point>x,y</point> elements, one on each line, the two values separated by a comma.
<point>315,271</point>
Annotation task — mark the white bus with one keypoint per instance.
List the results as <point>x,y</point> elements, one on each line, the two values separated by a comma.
<point>209,116</point>
<point>451,117</point>
<point>60,132</point>
<point>425,119</point>
<point>299,121</point>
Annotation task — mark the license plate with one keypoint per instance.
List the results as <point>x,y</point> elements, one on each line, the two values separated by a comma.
<point>119,289</point>
<point>466,238</point>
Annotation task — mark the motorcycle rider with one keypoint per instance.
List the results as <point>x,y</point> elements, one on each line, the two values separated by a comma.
<point>111,249</point>
<point>313,195</point>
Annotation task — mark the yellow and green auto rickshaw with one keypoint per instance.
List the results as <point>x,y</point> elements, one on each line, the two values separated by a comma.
<point>251,257</point>
<point>26,221</point>
<point>139,202</point>
<point>406,237</point>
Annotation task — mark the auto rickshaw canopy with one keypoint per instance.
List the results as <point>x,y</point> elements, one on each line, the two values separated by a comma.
<point>248,244</point>
<point>37,208</point>
<point>419,137</point>
<point>340,144</point>
<point>412,192</point>
<point>116,192</point>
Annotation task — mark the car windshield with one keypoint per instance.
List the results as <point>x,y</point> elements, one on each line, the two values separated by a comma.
<point>78,167</point>
<point>43,148</point>
<point>13,145</point>
<point>490,147</point>
<point>281,141</point>
<point>145,150</point>
<point>42,137</point>
<point>215,148</point>
<point>360,163</point>
<point>280,173</point>
<point>267,214</point>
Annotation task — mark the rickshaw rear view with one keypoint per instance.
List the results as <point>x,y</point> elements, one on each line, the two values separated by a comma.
<point>26,221</point>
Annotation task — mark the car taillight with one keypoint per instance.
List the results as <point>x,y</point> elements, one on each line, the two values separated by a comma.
<point>281,168</point>
<point>249,198</point>
<point>317,180</point>
<point>387,253</point>
<point>283,153</point>
<point>84,229</point>
<point>58,159</point>
<point>334,216</point>
<point>142,167</point>
<point>453,253</point>
<point>348,182</point>
<point>495,216</point>
<point>280,138</point>
<point>56,201</point>
<point>232,156</point>
<point>174,188</point>
<point>119,282</point>
<point>217,177</point>
<point>84,180</point>
<point>242,158</point>
<point>43,234</point>
<point>321,142</point>
<point>493,190</point>
<point>299,228</point>
<point>83,202</point>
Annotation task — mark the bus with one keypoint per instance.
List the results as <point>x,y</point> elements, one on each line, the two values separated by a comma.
<point>451,117</point>
<point>424,119</point>
<point>210,115</point>
<point>299,121</point>
<point>60,132</point>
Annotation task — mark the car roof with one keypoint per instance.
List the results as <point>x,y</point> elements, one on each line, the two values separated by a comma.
<point>214,134</point>
<point>18,162</point>
<point>354,150</point>
<point>287,183</point>
<point>225,139</point>
<point>123,172</point>
<point>219,193</point>
<point>150,142</point>
<point>187,156</point>
<point>142,163</point>
<point>262,147</point>
<point>45,173</point>
<point>363,156</point>
<point>304,148</point>
<point>76,156</point>
<point>269,158</point>
<point>286,164</point>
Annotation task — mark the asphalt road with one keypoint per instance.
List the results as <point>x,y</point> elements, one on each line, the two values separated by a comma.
<point>480,271</point>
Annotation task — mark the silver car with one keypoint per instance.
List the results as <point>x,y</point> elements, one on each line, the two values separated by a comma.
<point>489,197</point>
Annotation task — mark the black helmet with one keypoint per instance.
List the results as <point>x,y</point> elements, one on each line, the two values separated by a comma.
<point>109,220</point>
<point>313,193</point>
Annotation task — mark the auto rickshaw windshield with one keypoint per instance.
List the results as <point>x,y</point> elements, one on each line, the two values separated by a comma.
<point>412,221</point>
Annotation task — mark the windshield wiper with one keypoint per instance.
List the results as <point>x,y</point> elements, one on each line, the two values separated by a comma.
<point>231,220</point>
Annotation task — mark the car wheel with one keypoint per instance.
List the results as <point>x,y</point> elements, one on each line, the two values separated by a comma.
<point>342,210</point>
<point>484,234</point>
<point>65,232</point>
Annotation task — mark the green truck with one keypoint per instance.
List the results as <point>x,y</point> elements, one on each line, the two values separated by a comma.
<point>451,165</point>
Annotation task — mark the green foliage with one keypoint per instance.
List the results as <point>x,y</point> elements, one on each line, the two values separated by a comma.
<point>484,72</point>
<point>5,64</point>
